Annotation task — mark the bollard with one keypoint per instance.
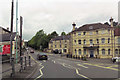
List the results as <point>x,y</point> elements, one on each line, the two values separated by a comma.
<point>13,67</point>
<point>25,63</point>
<point>21,63</point>
<point>29,61</point>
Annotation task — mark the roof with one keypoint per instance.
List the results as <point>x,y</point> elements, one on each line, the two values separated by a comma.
<point>117,31</point>
<point>95,26</point>
<point>66,37</point>
<point>6,37</point>
<point>5,30</point>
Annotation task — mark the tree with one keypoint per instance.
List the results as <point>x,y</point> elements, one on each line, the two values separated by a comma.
<point>63,33</point>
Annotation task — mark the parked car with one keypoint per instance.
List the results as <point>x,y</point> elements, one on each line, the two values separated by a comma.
<point>56,51</point>
<point>116,59</point>
<point>42,56</point>
<point>31,51</point>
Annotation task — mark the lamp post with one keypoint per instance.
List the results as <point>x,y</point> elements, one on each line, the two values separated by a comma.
<point>16,27</point>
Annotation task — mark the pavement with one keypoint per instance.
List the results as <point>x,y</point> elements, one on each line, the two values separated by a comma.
<point>26,73</point>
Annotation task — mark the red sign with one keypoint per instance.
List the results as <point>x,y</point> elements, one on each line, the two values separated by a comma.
<point>5,49</point>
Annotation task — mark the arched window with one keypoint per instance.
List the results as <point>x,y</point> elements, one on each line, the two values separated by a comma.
<point>103,51</point>
<point>108,51</point>
<point>103,40</point>
<point>84,41</point>
<point>79,51</point>
<point>75,51</point>
<point>116,51</point>
<point>84,51</point>
<point>108,40</point>
<point>79,41</point>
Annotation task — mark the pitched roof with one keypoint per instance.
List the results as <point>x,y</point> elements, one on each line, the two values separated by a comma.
<point>117,31</point>
<point>5,29</point>
<point>66,37</point>
<point>89,27</point>
<point>6,37</point>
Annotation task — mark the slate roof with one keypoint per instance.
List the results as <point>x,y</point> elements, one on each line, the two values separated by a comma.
<point>94,26</point>
<point>66,37</point>
<point>6,37</point>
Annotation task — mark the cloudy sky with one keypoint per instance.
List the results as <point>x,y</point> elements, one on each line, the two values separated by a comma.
<point>58,15</point>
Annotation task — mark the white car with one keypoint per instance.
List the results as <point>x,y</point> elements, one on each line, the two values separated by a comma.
<point>116,58</point>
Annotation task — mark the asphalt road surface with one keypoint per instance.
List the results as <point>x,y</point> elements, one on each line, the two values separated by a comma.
<point>61,67</point>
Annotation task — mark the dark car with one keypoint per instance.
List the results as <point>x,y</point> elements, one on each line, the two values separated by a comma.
<point>56,51</point>
<point>31,51</point>
<point>42,56</point>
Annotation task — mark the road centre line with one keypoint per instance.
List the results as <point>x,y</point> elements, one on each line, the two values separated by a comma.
<point>102,66</point>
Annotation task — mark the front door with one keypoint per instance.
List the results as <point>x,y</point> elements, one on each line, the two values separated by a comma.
<point>91,53</point>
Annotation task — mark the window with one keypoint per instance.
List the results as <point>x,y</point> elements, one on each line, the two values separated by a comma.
<point>79,41</point>
<point>75,51</point>
<point>97,41</point>
<point>108,30</point>
<point>84,41</point>
<point>91,42</point>
<point>96,31</point>
<point>74,34</point>
<point>84,51</point>
<point>91,33</point>
<point>60,41</point>
<point>79,51</point>
<point>103,31</point>
<point>65,40</point>
<point>51,46</point>
<point>108,40</point>
<point>84,33</point>
<point>55,46</point>
<point>116,51</point>
<point>65,50</point>
<point>103,40</point>
<point>98,51</point>
<point>108,51</point>
<point>103,51</point>
<point>118,40</point>
<point>79,33</point>
<point>75,41</point>
<point>65,45</point>
<point>60,45</point>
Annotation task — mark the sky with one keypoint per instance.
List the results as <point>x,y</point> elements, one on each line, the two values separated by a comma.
<point>57,15</point>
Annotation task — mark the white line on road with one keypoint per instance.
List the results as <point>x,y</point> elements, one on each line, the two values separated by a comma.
<point>82,65</point>
<point>81,74</point>
<point>44,61</point>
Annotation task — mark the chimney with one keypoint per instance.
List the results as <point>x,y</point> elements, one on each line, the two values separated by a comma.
<point>73,26</point>
<point>111,22</point>
<point>8,28</point>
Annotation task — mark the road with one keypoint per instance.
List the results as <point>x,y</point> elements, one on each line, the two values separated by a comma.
<point>61,67</point>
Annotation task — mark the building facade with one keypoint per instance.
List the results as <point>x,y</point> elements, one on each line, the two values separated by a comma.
<point>60,44</point>
<point>95,40</point>
<point>91,40</point>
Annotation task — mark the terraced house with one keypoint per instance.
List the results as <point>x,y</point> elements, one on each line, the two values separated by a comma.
<point>95,40</point>
<point>60,44</point>
<point>91,40</point>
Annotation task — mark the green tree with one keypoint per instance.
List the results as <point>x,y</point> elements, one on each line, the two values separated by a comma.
<point>63,33</point>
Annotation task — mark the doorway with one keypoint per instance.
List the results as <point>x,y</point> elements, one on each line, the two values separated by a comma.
<point>91,53</point>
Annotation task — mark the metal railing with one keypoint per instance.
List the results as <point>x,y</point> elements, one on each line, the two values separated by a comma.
<point>23,61</point>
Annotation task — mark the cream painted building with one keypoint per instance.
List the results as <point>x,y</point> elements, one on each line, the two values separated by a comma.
<point>60,44</point>
<point>95,40</point>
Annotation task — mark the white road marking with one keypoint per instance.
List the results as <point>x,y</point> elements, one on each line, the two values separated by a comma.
<point>44,61</point>
<point>82,65</point>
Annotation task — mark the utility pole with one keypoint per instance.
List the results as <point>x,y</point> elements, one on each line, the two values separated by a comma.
<point>16,28</point>
<point>21,21</point>
<point>12,11</point>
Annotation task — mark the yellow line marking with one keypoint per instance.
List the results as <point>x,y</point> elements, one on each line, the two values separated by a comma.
<point>101,66</point>
<point>82,65</point>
